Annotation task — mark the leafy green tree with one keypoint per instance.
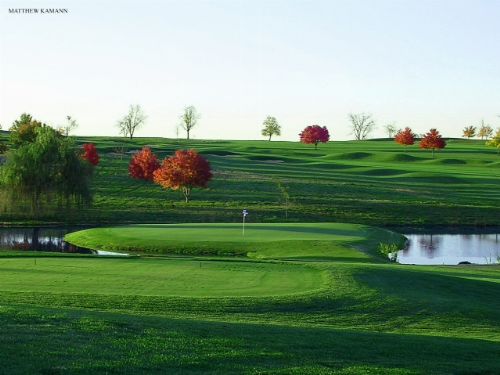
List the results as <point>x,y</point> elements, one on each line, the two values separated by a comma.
<point>495,141</point>
<point>271,127</point>
<point>189,119</point>
<point>3,146</point>
<point>47,170</point>
<point>24,130</point>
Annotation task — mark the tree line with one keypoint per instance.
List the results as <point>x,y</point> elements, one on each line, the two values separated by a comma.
<point>362,126</point>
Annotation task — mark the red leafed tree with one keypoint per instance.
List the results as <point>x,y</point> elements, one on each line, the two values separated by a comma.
<point>183,171</point>
<point>143,164</point>
<point>432,140</point>
<point>90,153</point>
<point>313,134</point>
<point>405,137</point>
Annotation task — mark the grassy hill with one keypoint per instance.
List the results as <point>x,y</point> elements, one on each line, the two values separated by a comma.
<point>372,182</point>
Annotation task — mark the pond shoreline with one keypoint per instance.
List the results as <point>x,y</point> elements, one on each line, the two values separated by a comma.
<point>435,228</point>
<point>445,229</point>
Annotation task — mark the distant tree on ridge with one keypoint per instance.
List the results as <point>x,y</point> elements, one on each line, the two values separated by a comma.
<point>469,132</point>
<point>69,126</point>
<point>189,119</point>
<point>134,119</point>
<point>271,127</point>
<point>485,130</point>
<point>314,134</point>
<point>390,129</point>
<point>362,124</point>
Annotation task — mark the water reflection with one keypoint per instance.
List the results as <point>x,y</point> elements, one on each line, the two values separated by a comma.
<point>451,249</point>
<point>429,243</point>
<point>38,239</point>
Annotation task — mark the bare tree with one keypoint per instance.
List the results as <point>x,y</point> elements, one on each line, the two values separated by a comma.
<point>390,129</point>
<point>189,119</point>
<point>133,120</point>
<point>362,125</point>
<point>485,130</point>
<point>69,126</point>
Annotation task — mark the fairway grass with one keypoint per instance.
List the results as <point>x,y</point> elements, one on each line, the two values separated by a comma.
<point>153,277</point>
<point>299,298</point>
<point>375,182</point>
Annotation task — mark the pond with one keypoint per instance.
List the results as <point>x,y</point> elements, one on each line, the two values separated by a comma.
<point>44,239</point>
<point>422,248</point>
<point>451,249</point>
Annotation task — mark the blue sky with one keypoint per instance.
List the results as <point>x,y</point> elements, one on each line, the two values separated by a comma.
<point>417,63</point>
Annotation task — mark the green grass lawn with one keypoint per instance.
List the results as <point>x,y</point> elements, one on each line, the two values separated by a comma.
<point>151,277</point>
<point>288,297</point>
<point>306,241</point>
<point>373,182</point>
<point>337,307</point>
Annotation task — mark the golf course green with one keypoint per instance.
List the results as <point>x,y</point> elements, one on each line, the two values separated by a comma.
<point>283,187</point>
<point>290,298</point>
<point>300,292</point>
<point>273,240</point>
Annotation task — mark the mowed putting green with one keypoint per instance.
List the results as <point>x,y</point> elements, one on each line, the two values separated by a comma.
<point>274,240</point>
<point>156,277</point>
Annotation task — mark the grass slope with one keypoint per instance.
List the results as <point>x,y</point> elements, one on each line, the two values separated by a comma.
<point>338,315</point>
<point>370,182</point>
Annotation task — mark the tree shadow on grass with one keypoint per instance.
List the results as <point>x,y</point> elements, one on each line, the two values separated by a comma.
<point>432,292</point>
<point>45,341</point>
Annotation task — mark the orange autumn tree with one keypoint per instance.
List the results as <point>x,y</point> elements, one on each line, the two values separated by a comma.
<point>183,171</point>
<point>432,140</point>
<point>405,137</point>
<point>143,164</point>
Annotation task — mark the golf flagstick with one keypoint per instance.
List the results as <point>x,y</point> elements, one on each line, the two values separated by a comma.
<point>245,213</point>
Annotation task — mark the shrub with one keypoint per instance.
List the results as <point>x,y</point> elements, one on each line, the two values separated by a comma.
<point>389,250</point>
